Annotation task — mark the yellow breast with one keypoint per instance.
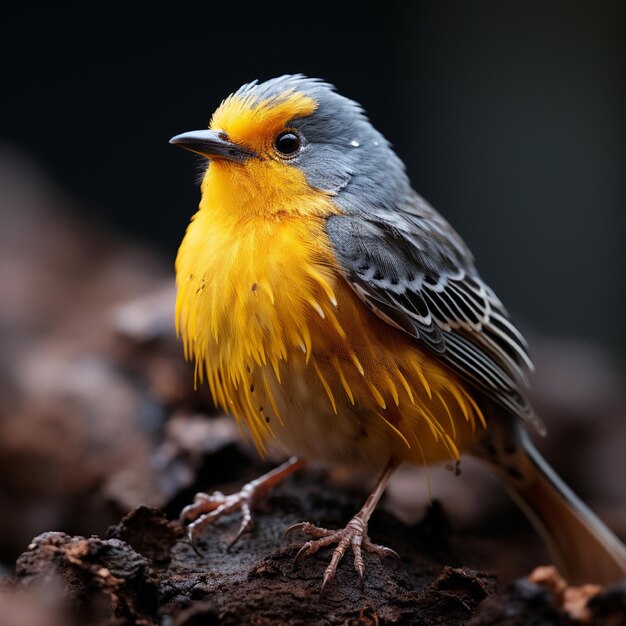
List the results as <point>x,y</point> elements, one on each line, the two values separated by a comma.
<point>247,292</point>
<point>275,330</point>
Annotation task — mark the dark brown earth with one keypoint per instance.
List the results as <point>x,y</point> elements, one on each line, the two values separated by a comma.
<point>144,572</point>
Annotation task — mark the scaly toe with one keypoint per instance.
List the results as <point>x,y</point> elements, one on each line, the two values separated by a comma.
<point>354,535</point>
<point>381,552</point>
<point>207,509</point>
<point>202,503</point>
<point>312,546</point>
<point>309,529</point>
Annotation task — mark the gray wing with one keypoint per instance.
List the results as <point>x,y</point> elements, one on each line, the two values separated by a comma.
<point>414,271</point>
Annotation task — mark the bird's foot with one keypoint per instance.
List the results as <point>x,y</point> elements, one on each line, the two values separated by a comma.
<point>206,509</point>
<point>353,535</point>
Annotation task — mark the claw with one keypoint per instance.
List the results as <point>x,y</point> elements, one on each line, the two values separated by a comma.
<point>328,576</point>
<point>388,553</point>
<point>294,527</point>
<point>192,542</point>
<point>320,596</point>
<point>246,526</point>
<point>301,552</point>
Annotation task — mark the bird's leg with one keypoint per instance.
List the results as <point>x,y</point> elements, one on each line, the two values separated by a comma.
<point>206,508</point>
<point>353,535</point>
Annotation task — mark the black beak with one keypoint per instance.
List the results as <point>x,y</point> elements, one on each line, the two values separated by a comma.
<point>212,144</point>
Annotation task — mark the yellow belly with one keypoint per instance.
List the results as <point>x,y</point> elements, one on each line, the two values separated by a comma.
<point>287,347</point>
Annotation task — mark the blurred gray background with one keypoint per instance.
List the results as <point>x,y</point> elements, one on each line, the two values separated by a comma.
<point>510,117</point>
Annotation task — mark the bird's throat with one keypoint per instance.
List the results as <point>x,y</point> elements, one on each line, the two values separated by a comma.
<point>261,188</point>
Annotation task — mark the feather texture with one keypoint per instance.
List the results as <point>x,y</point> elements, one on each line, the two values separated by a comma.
<point>288,348</point>
<point>412,269</point>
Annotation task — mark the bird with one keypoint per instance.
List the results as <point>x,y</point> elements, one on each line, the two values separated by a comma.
<point>339,317</point>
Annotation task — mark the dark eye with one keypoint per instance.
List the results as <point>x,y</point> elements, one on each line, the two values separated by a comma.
<point>288,143</point>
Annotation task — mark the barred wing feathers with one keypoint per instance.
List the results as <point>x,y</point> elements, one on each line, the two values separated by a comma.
<point>414,271</point>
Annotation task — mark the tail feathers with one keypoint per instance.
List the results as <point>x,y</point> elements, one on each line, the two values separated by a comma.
<point>583,547</point>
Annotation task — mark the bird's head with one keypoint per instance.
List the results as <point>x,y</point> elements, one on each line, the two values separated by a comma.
<point>292,145</point>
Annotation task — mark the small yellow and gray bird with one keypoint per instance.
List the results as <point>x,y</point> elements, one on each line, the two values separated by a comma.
<point>334,312</point>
